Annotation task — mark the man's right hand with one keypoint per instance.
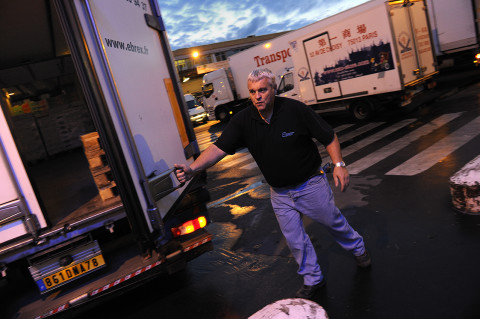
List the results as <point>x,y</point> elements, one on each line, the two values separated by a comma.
<point>207,159</point>
<point>183,172</point>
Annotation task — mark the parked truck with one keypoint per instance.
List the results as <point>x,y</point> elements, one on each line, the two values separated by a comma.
<point>375,54</point>
<point>93,120</point>
<point>220,98</point>
<point>379,53</point>
<point>455,29</point>
<point>225,90</point>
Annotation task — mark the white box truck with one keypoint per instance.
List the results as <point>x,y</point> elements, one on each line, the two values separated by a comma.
<point>378,53</point>
<point>455,28</point>
<point>225,90</point>
<point>93,120</point>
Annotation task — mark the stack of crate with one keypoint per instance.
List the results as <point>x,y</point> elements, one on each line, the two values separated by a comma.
<point>97,162</point>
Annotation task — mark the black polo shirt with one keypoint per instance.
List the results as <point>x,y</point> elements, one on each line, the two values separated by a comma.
<point>284,149</point>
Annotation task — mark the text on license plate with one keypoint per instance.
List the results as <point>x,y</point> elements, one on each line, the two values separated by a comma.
<point>71,272</point>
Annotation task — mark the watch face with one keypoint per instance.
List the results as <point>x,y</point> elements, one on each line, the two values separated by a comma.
<point>340,164</point>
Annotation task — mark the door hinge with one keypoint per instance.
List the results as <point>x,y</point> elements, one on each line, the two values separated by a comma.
<point>155,22</point>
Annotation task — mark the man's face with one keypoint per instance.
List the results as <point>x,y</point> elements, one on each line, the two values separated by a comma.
<point>262,95</point>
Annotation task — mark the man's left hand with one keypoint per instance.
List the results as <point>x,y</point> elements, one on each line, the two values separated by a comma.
<point>340,175</point>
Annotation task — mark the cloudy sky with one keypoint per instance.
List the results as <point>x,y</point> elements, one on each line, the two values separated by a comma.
<point>196,22</point>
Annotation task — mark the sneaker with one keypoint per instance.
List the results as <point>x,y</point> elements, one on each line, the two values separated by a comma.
<point>363,261</point>
<point>307,292</point>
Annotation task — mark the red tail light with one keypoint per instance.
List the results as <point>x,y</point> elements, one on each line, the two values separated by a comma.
<point>190,226</point>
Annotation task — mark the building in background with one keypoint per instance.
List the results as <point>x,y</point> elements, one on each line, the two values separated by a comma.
<point>192,63</point>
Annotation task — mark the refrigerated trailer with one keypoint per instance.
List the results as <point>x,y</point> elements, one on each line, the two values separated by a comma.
<point>93,120</point>
<point>455,29</point>
<point>378,53</point>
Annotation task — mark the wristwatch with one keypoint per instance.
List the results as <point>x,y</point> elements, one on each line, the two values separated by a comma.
<point>340,164</point>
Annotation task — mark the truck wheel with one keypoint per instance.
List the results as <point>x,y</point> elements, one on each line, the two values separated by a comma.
<point>222,115</point>
<point>362,109</point>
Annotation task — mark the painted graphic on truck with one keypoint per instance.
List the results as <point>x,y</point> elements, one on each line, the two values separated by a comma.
<point>368,60</point>
<point>351,57</point>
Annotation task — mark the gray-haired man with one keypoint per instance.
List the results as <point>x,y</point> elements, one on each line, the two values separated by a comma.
<point>278,133</point>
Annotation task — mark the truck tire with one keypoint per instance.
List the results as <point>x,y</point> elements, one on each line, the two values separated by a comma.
<point>362,110</point>
<point>222,114</point>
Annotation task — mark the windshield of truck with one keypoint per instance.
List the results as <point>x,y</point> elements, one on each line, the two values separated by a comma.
<point>207,90</point>
<point>286,84</point>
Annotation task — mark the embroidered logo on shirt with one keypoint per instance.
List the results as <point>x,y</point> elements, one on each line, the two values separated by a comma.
<point>285,134</point>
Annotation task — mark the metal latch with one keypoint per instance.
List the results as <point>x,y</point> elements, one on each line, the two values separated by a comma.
<point>162,185</point>
<point>157,187</point>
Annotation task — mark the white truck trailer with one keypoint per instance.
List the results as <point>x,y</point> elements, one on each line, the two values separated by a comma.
<point>92,121</point>
<point>378,53</point>
<point>455,28</point>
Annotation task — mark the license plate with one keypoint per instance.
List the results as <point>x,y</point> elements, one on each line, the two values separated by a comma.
<point>71,272</point>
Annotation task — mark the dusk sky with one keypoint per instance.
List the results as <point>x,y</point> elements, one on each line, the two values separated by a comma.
<point>196,22</point>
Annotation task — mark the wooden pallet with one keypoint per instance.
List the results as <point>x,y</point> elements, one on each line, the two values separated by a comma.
<point>108,191</point>
<point>102,176</point>
<point>91,142</point>
<point>97,161</point>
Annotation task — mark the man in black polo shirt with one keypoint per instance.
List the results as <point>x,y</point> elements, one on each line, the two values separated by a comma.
<point>278,132</point>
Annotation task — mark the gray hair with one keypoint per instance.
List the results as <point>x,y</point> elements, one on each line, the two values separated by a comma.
<point>262,73</point>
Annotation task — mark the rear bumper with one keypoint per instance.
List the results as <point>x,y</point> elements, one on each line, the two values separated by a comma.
<point>126,269</point>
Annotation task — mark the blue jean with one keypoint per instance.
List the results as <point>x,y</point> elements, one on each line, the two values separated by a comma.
<point>314,199</point>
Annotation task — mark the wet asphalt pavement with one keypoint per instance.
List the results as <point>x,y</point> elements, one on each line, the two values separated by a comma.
<point>425,255</point>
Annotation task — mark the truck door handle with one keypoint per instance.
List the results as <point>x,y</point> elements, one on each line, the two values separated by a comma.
<point>295,94</point>
<point>161,185</point>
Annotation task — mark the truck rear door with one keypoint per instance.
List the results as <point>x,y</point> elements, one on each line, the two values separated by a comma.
<point>20,213</point>
<point>326,85</point>
<point>413,42</point>
<point>137,103</point>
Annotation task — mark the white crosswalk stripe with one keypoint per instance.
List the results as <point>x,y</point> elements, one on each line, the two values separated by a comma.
<point>351,135</point>
<point>343,127</point>
<point>392,148</point>
<point>375,137</point>
<point>432,155</point>
<point>415,165</point>
<point>363,129</point>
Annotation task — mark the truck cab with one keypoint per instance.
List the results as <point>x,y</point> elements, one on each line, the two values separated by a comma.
<point>222,101</point>
<point>286,87</point>
<point>218,94</point>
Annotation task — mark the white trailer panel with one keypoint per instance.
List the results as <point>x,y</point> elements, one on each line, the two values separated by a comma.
<point>274,54</point>
<point>351,54</point>
<point>143,114</point>
<point>367,50</point>
<point>453,24</point>
<point>17,197</point>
